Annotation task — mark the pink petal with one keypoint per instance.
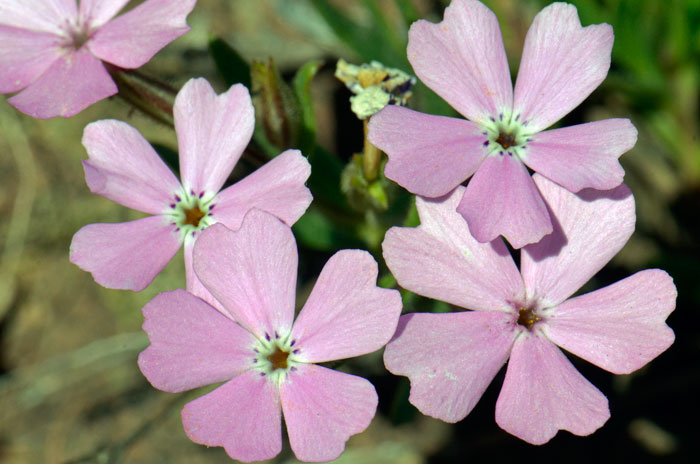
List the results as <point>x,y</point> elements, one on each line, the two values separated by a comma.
<point>463,60</point>
<point>620,327</point>
<point>133,38</point>
<point>583,156</point>
<point>323,408</point>
<point>440,259</point>
<point>95,13</point>
<point>194,285</point>
<point>277,188</point>
<point>590,228</point>
<point>25,55</point>
<point>562,64</point>
<point>124,168</point>
<point>544,393</point>
<point>192,345</point>
<point>346,314</point>
<point>243,415</point>
<point>501,199</point>
<point>450,359</point>
<point>127,255</point>
<point>212,132</point>
<point>51,16</point>
<point>428,155</point>
<point>252,271</point>
<point>72,83</point>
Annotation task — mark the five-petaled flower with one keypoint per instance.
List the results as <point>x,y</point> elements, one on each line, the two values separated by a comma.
<point>212,133</point>
<point>450,359</point>
<point>54,49</point>
<point>463,60</point>
<point>267,361</point>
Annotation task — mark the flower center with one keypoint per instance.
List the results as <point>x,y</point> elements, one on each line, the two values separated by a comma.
<point>191,212</point>
<point>505,136</point>
<point>527,317</point>
<point>278,359</point>
<point>274,356</point>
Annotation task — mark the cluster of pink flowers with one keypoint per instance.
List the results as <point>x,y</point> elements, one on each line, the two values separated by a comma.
<point>235,322</point>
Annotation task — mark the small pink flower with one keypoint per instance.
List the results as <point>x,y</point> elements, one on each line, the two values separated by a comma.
<point>212,133</point>
<point>267,361</point>
<point>452,358</point>
<point>53,49</point>
<point>463,60</point>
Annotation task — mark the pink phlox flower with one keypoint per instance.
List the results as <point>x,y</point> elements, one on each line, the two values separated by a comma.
<point>267,360</point>
<point>463,60</point>
<point>54,49</point>
<point>212,132</point>
<point>521,316</point>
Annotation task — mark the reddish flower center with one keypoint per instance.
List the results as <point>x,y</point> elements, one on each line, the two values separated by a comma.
<point>278,359</point>
<point>506,139</point>
<point>527,317</point>
<point>193,216</point>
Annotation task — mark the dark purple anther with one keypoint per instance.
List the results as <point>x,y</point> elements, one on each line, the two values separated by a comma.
<point>194,233</point>
<point>510,154</point>
<point>292,368</point>
<point>201,194</point>
<point>500,153</point>
<point>277,335</point>
<point>177,198</point>
<point>293,342</point>
<point>486,144</point>
<point>192,192</point>
<point>267,336</point>
<point>491,118</point>
<point>172,205</point>
<point>296,351</point>
<point>262,374</point>
<point>255,360</point>
<point>500,117</point>
<point>256,350</point>
<point>517,117</point>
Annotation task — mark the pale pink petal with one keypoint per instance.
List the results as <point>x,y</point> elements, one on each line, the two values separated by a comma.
<point>127,255</point>
<point>72,83</point>
<point>95,13</point>
<point>243,415</point>
<point>620,327</point>
<point>25,55</point>
<point>583,156</point>
<point>450,359</point>
<point>501,199</point>
<point>463,60</point>
<point>52,16</point>
<point>132,39</point>
<point>277,188</point>
<point>192,345</point>
<point>440,259</point>
<point>544,393</point>
<point>323,408</point>
<point>194,285</point>
<point>562,64</point>
<point>124,168</point>
<point>428,155</point>
<point>212,132</point>
<point>590,228</point>
<point>346,314</point>
<point>252,271</point>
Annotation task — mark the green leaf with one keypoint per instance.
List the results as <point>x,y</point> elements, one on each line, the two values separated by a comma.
<point>231,66</point>
<point>302,90</point>
<point>318,231</point>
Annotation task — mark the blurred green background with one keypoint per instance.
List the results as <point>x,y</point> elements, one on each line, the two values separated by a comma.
<point>70,390</point>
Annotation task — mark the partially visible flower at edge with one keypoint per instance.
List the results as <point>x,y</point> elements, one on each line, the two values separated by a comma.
<point>53,50</point>
<point>521,317</point>
<point>212,132</point>
<point>463,60</point>
<point>267,361</point>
